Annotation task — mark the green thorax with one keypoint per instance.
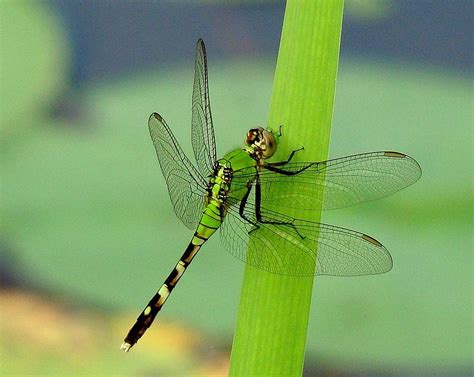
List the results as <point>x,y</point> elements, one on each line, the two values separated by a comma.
<point>238,159</point>
<point>221,182</point>
<point>234,161</point>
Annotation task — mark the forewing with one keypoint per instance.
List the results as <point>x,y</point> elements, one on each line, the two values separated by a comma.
<point>301,248</point>
<point>202,130</point>
<point>336,183</point>
<point>186,186</point>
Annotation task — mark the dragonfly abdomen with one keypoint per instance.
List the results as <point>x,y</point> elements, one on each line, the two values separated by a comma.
<point>146,318</point>
<point>210,221</point>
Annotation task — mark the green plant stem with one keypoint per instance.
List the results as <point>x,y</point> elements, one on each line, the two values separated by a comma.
<point>270,336</point>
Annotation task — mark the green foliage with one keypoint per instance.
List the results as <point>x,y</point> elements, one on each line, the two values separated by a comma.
<point>33,63</point>
<point>273,314</point>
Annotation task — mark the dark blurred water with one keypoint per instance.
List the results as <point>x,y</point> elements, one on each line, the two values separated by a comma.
<point>115,37</point>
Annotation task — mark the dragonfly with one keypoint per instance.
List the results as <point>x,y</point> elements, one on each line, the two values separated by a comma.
<point>242,195</point>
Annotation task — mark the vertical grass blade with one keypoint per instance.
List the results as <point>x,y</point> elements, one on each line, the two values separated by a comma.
<point>270,336</point>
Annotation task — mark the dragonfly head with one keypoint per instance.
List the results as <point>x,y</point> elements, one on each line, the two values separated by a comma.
<point>263,140</point>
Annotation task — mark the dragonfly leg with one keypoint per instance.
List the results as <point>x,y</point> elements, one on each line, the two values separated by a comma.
<point>286,172</point>
<point>242,207</point>
<point>258,213</point>
<point>279,223</point>
<point>280,163</point>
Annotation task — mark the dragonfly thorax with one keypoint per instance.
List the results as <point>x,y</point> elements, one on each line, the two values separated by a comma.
<point>219,183</point>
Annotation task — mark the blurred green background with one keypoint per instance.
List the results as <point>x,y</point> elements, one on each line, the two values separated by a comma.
<point>88,232</point>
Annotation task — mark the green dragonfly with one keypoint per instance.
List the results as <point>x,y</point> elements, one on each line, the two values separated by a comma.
<point>241,195</point>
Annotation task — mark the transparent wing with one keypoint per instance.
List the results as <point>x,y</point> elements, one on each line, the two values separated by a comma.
<point>336,183</point>
<point>202,131</point>
<point>301,248</point>
<point>186,186</point>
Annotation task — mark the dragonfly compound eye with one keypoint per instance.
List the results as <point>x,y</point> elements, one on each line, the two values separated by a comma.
<point>269,144</point>
<point>253,136</point>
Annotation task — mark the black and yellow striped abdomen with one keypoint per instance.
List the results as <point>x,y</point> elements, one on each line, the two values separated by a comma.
<point>210,222</point>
